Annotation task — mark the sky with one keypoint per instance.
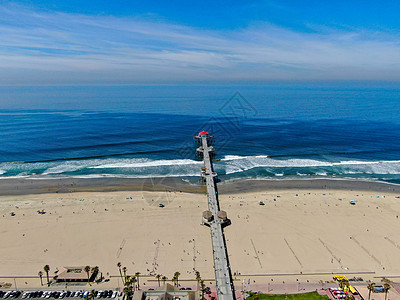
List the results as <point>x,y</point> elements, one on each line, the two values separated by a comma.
<point>127,41</point>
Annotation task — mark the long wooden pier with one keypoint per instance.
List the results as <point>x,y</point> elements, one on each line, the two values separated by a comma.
<point>216,219</point>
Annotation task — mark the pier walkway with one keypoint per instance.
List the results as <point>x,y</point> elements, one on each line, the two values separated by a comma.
<point>224,283</point>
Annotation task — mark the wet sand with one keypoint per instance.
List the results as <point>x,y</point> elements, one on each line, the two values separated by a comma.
<point>23,186</point>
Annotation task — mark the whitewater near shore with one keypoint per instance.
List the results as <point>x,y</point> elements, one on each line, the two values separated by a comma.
<point>297,233</point>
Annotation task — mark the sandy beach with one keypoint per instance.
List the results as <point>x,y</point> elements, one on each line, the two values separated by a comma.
<point>300,233</point>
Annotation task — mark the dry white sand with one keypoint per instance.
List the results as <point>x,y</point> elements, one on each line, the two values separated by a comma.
<point>311,232</point>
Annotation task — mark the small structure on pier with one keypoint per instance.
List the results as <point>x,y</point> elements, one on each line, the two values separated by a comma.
<point>222,215</point>
<point>207,216</point>
<point>200,152</point>
<point>203,133</point>
<point>223,218</point>
<point>198,138</point>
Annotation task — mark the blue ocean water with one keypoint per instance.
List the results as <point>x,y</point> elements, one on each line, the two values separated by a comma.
<point>270,130</point>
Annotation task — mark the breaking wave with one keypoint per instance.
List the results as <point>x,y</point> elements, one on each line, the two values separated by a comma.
<point>228,166</point>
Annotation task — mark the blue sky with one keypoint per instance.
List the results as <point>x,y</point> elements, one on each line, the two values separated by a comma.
<point>53,42</point>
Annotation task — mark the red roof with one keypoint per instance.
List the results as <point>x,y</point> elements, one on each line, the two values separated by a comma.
<point>203,133</point>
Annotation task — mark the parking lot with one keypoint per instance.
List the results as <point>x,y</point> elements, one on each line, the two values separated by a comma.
<point>18,294</point>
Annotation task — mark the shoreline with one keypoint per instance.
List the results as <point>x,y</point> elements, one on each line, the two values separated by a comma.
<point>25,186</point>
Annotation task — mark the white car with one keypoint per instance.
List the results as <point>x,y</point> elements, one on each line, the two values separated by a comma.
<point>114,294</point>
<point>99,294</point>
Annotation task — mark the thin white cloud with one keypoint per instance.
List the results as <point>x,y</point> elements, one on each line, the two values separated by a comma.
<point>80,48</point>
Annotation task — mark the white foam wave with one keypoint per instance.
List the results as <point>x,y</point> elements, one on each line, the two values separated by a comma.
<point>236,157</point>
<point>236,164</point>
<point>355,162</point>
<point>134,176</point>
<point>230,164</point>
<point>142,163</point>
<point>63,168</point>
<point>15,177</point>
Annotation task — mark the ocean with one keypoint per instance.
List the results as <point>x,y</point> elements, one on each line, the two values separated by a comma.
<point>275,130</point>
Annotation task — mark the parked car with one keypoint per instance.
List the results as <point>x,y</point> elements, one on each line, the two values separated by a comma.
<point>17,294</point>
<point>85,294</point>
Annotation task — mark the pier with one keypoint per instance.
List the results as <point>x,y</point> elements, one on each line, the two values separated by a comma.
<point>216,219</point>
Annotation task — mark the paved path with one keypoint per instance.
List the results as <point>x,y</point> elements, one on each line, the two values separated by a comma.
<point>224,284</point>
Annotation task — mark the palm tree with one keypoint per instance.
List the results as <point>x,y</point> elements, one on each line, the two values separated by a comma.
<point>95,270</point>
<point>386,288</point>
<point>127,292</point>
<point>40,275</point>
<point>176,275</point>
<point>87,270</point>
<point>198,278</point>
<point>370,287</point>
<point>133,282</point>
<point>174,280</point>
<point>137,276</point>
<point>129,285</point>
<point>120,273</point>
<point>124,270</point>
<point>158,276</point>
<point>203,288</point>
<point>46,268</point>
<point>164,279</point>
<point>343,283</point>
<point>92,294</point>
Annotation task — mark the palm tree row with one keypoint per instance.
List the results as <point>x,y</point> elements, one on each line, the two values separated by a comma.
<point>131,283</point>
<point>94,270</point>
<point>200,284</point>
<point>371,288</point>
<point>161,277</point>
<point>129,286</point>
<point>175,278</point>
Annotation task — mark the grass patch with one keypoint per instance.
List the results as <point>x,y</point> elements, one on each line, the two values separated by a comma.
<point>305,296</point>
